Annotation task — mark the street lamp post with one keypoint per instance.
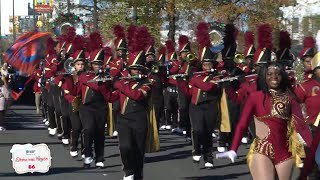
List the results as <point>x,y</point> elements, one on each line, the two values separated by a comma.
<point>14,28</point>
<point>34,15</point>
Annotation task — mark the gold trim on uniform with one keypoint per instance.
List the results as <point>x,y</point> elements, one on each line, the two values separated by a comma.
<point>260,55</point>
<point>144,92</point>
<point>97,55</point>
<point>316,123</point>
<point>126,100</point>
<point>85,94</point>
<point>136,59</point>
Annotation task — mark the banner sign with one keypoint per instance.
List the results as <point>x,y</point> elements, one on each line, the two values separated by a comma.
<point>43,8</point>
<point>30,158</point>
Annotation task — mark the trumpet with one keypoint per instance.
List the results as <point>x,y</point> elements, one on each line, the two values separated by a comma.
<point>239,58</point>
<point>155,69</point>
<point>190,57</point>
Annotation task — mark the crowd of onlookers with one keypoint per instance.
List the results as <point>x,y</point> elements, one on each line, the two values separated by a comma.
<point>4,94</point>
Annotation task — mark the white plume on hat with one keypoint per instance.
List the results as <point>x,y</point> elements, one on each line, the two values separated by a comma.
<point>318,41</point>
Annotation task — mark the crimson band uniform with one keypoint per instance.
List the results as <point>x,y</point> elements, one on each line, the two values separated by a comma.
<point>65,115</point>
<point>93,109</point>
<point>184,68</point>
<point>309,93</point>
<point>69,86</point>
<point>50,65</point>
<point>203,109</point>
<point>157,90</point>
<point>133,116</point>
<point>117,65</point>
<point>231,110</point>
<point>171,90</point>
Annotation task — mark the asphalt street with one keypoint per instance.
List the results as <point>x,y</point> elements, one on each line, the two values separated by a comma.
<point>173,162</point>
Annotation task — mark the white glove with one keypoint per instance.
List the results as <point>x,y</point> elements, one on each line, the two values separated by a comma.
<point>39,82</point>
<point>229,154</point>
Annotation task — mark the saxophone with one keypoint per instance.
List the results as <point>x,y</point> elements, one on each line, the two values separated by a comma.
<point>76,104</point>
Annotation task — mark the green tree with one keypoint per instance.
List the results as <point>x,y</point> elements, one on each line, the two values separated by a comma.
<point>148,13</point>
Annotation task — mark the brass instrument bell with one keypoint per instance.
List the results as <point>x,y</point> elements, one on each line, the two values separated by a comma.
<point>155,69</point>
<point>69,66</point>
<point>239,58</point>
<point>190,57</point>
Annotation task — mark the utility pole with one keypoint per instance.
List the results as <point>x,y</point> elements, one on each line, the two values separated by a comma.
<point>14,27</point>
<point>95,15</point>
<point>134,15</point>
<point>34,15</point>
<point>68,5</point>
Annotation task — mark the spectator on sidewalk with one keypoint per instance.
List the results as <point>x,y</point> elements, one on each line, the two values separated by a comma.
<point>4,97</point>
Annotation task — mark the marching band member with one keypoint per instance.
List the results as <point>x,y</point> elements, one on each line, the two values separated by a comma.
<point>203,109</point>
<point>156,73</point>
<point>306,55</point>
<point>133,116</point>
<point>249,51</point>
<point>53,49</point>
<point>186,66</point>
<point>61,104</point>
<point>93,109</point>
<point>163,67</point>
<point>309,93</point>
<point>117,65</point>
<point>284,54</point>
<point>36,76</point>
<point>278,121</point>
<point>171,91</point>
<point>69,85</point>
<point>229,109</point>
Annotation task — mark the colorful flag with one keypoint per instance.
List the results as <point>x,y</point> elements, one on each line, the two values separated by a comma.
<point>26,52</point>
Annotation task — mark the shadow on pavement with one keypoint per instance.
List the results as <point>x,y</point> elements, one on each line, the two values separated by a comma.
<point>229,176</point>
<point>244,161</point>
<point>113,155</point>
<point>47,143</point>
<point>167,157</point>
<point>62,170</point>
<point>176,146</point>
